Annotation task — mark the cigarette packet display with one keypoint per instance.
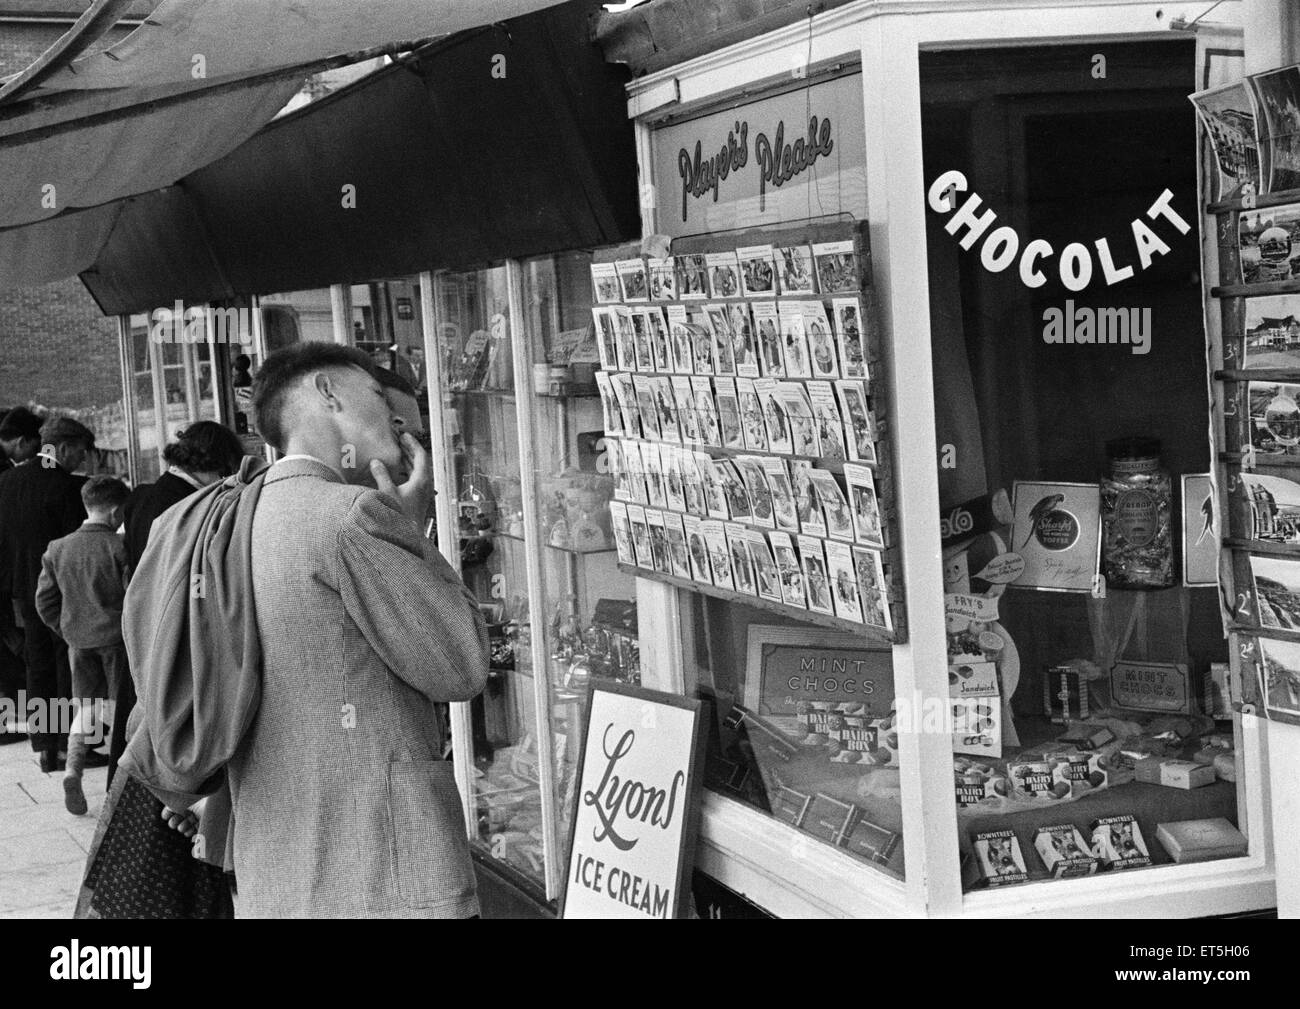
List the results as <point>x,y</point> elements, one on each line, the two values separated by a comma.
<point>789,805</point>
<point>1118,842</point>
<point>871,841</point>
<point>1000,858</point>
<point>1201,840</point>
<point>830,819</point>
<point>1186,774</point>
<point>1064,851</point>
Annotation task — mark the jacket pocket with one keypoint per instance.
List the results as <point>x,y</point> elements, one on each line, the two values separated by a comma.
<point>432,861</point>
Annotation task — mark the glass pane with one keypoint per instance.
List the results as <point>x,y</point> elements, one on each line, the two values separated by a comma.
<point>473,310</point>
<point>296,317</point>
<point>1099,740</point>
<point>150,440</point>
<point>588,603</point>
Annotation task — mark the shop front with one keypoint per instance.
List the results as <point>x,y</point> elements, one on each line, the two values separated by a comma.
<point>962,652</point>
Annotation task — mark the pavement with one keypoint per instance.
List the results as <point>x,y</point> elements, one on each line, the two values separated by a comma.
<point>42,846</point>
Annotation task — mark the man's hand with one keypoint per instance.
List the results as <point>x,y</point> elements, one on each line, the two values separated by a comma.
<point>185,822</point>
<point>416,493</point>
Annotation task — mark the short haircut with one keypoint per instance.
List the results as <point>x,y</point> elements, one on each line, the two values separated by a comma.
<point>21,423</point>
<point>390,379</point>
<point>65,431</point>
<point>102,492</point>
<point>283,369</point>
<point>206,447</point>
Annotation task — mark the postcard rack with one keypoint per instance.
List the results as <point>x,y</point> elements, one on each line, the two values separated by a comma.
<point>877,389</point>
<point>1240,457</point>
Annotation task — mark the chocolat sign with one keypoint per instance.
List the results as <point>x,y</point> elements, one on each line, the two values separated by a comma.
<point>637,800</point>
<point>788,667</point>
<point>788,157</point>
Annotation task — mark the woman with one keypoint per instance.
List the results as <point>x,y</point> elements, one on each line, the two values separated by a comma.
<point>140,863</point>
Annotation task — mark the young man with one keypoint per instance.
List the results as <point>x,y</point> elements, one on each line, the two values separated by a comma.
<point>40,501</point>
<point>341,805</point>
<point>79,597</point>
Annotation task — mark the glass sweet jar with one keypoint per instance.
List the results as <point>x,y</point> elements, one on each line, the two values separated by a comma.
<point>1137,550</point>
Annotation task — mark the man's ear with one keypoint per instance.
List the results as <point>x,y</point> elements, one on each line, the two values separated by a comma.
<point>326,389</point>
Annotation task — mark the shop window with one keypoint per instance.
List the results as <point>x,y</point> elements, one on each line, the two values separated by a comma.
<point>296,317</point>
<point>1070,409</point>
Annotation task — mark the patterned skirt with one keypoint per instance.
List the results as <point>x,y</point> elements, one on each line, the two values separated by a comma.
<point>139,867</point>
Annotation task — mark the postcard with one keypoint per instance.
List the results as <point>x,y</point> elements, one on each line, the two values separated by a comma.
<point>1274,418</point>
<point>624,338</point>
<point>679,562</point>
<point>742,564</point>
<point>837,267</point>
<point>767,325</point>
<point>715,538</point>
<point>744,341</point>
<point>752,423</point>
<point>625,396</point>
<point>1200,531</point>
<point>641,337</point>
<point>839,519</point>
<point>784,509</point>
<point>821,340</point>
<point>766,578</point>
<point>849,333</point>
<point>1279,668</point>
<point>640,536</point>
<point>604,283</point>
<point>632,275</point>
<point>692,484</point>
<point>666,409</point>
<point>663,279</point>
<point>684,399</point>
<point>634,466</point>
<point>704,345</point>
<point>756,486</point>
<point>733,488</point>
<point>609,404</point>
<point>658,330</point>
<point>606,343</point>
<point>724,274</point>
<point>1276,582</point>
<point>816,580</point>
<point>711,482</point>
<point>692,276</point>
<point>1274,507</point>
<point>844,581</point>
<point>794,265</point>
<point>1268,240</point>
<point>830,426</point>
<point>674,485</point>
<point>697,549</point>
<point>806,499</point>
<point>1229,119</point>
<point>1272,332</point>
<point>864,505</point>
<point>757,272</point>
<point>645,402</point>
<point>873,590</point>
<point>729,413</point>
<point>724,354</point>
<point>778,426</point>
<point>706,411</point>
<point>654,519</point>
<point>794,340</point>
<point>859,422</point>
<point>652,464</point>
<point>1277,121</point>
<point>787,569</point>
<point>680,340</point>
<point>622,532</point>
<point>804,438</point>
<point>1057,530</point>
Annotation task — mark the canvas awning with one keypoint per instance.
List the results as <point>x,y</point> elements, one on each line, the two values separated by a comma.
<point>450,166</point>
<point>191,83</point>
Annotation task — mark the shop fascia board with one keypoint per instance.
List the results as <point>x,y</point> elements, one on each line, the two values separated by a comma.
<point>748,66</point>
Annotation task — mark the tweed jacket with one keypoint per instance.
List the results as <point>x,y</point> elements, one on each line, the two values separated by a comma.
<point>38,503</point>
<point>341,805</point>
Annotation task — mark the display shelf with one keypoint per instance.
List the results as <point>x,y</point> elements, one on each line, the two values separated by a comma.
<point>804,616</point>
<point>550,546</point>
<point>1268,547</point>
<point>579,394</point>
<point>826,462</point>
<point>1255,290</point>
<point>1255,631</point>
<point>1261,460</point>
<point>1258,375</point>
<point>1258,203</point>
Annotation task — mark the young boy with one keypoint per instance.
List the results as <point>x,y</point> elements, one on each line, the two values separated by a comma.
<point>79,596</point>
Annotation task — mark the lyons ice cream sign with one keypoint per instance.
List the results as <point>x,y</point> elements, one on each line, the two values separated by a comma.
<point>1077,265</point>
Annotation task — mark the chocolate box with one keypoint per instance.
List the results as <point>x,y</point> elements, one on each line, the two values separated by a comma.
<point>1118,842</point>
<point>1000,859</point>
<point>1064,851</point>
<point>1186,774</point>
<point>1201,840</point>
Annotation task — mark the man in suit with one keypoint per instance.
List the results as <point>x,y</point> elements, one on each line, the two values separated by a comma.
<point>341,805</point>
<point>20,438</point>
<point>40,500</point>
